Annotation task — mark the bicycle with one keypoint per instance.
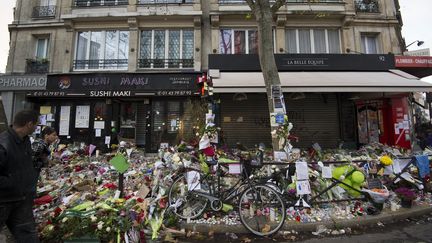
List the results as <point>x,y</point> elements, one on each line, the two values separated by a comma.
<point>260,207</point>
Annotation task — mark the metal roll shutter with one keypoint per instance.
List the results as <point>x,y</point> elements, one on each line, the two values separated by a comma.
<point>315,119</point>
<point>245,120</point>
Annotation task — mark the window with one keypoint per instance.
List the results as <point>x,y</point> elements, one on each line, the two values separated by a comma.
<point>128,119</point>
<point>238,41</point>
<point>167,48</point>
<point>369,43</point>
<point>102,50</point>
<point>47,2</point>
<point>41,48</point>
<point>312,41</point>
<point>45,9</point>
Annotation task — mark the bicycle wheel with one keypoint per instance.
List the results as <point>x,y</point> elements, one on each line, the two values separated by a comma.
<point>187,204</point>
<point>261,210</point>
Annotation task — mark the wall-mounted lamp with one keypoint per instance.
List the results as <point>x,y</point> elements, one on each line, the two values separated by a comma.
<point>67,51</point>
<point>349,51</point>
<point>132,49</point>
<point>281,49</point>
<point>197,49</point>
<point>214,51</point>
<point>419,43</point>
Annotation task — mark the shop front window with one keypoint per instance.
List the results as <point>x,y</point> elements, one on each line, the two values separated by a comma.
<point>128,120</point>
<point>166,123</point>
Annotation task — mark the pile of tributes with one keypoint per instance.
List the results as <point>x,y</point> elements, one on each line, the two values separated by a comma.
<point>79,195</point>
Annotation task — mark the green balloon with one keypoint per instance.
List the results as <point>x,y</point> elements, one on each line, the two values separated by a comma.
<point>357,177</point>
<point>354,193</point>
<point>339,171</point>
<point>346,181</point>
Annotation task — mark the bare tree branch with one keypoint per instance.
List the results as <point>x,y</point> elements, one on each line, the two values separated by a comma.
<point>251,5</point>
<point>277,5</point>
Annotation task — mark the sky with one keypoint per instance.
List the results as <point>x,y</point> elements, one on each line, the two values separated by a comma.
<point>414,15</point>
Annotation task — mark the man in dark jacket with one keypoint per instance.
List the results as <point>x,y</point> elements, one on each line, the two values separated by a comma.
<point>18,178</point>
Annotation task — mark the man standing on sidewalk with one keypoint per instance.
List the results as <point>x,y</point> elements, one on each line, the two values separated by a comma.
<point>18,178</point>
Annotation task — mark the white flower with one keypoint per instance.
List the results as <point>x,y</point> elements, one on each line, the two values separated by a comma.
<point>49,227</point>
<point>93,218</point>
<point>108,229</point>
<point>65,219</point>
<point>176,158</point>
<point>99,227</point>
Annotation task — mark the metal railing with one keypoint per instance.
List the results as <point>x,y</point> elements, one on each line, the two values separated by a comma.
<point>367,6</point>
<point>148,2</point>
<point>44,11</point>
<point>92,3</point>
<point>37,66</point>
<point>101,64</point>
<point>165,63</point>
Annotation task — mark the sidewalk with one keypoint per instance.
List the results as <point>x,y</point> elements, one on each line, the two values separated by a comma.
<point>385,217</point>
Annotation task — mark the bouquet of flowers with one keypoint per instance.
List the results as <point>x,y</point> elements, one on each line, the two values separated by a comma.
<point>406,194</point>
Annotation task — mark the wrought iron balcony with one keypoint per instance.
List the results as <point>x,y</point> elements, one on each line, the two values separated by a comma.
<point>101,64</point>
<point>37,66</point>
<point>44,11</point>
<point>165,63</point>
<point>367,6</point>
<point>147,2</point>
<point>93,3</point>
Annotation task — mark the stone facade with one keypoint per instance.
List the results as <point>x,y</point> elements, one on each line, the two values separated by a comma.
<point>205,18</point>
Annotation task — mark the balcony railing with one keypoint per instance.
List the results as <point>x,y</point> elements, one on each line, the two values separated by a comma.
<point>92,3</point>
<point>101,64</point>
<point>37,66</point>
<point>367,6</point>
<point>165,63</point>
<point>44,11</point>
<point>147,2</point>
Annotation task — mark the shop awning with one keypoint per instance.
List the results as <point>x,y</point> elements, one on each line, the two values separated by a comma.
<point>391,81</point>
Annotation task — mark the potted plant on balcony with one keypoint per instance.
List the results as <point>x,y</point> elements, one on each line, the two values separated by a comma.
<point>406,195</point>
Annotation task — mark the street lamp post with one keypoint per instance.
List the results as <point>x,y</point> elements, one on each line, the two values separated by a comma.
<point>419,43</point>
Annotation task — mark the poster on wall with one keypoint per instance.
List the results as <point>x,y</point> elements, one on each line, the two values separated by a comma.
<point>82,116</point>
<point>64,121</point>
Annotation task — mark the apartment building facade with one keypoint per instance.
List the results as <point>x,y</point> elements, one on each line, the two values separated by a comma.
<point>132,65</point>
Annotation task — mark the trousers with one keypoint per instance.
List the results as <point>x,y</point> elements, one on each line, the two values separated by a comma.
<point>18,217</point>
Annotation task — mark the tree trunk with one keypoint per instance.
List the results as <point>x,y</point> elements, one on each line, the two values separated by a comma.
<point>264,17</point>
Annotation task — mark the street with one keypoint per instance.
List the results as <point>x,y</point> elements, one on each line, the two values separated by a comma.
<point>409,230</point>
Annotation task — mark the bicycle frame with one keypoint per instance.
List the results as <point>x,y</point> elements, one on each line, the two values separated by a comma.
<point>216,195</point>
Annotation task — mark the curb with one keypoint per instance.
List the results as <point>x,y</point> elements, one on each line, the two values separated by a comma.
<point>384,217</point>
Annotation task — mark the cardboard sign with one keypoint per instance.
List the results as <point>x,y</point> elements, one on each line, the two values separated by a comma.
<point>120,163</point>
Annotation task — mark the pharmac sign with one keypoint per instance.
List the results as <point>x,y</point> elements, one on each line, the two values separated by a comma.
<point>22,82</point>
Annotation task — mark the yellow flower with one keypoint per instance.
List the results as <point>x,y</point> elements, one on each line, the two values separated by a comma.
<point>386,160</point>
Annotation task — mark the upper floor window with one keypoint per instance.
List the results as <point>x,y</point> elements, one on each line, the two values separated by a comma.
<point>102,50</point>
<point>167,48</point>
<point>369,6</point>
<point>238,41</point>
<point>369,43</point>
<point>164,1</point>
<point>89,3</point>
<point>312,41</point>
<point>45,9</point>
<point>41,48</point>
